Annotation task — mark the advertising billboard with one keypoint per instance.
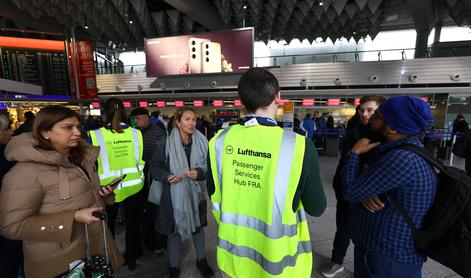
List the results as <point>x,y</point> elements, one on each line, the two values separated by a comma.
<point>227,51</point>
<point>85,69</point>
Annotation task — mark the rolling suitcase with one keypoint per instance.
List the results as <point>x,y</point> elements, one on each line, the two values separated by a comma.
<point>94,266</point>
<point>98,266</point>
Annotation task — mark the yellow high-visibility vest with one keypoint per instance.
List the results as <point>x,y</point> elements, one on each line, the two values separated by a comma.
<point>256,171</point>
<point>120,153</point>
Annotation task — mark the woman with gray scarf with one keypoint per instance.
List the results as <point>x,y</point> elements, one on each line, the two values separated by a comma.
<point>178,167</point>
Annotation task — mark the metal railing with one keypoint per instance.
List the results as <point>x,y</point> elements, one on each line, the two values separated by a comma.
<point>346,56</point>
<point>439,142</point>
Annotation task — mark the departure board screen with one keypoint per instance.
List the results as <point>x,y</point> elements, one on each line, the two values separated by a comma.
<point>47,68</point>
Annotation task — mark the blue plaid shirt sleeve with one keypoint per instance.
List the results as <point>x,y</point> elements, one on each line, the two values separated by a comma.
<point>390,171</point>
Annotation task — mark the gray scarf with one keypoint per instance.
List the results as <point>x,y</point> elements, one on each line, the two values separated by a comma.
<point>188,193</point>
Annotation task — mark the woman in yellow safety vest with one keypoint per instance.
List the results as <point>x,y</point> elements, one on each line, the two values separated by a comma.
<point>121,154</point>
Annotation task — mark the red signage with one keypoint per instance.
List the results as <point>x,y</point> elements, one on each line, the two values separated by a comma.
<point>160,103</point>
<point>282,102</point>
<point>237,102</point>
<point>218,103</point>
<point>179,103</point>
<point>85,69</point>
<point>127,104</point>
<point>308,102</point>
<point>143,104</point>
<point>333,102</point>
<point>96,105</point>
<point>357,102</point>
<point>198,103</point>
<point>424,99</point>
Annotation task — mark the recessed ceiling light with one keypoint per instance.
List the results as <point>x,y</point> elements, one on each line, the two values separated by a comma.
<point>85,26</point>
<point>321,3</point>
<point>130,21</point>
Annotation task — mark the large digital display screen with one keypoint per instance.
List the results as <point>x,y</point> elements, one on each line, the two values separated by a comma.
<point>35,61</point>
<point>228,51</point>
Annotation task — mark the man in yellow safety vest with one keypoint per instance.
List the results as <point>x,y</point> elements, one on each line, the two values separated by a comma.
<point>263,179</point>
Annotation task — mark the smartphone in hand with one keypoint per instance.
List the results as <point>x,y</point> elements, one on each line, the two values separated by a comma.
<point>116,181</point>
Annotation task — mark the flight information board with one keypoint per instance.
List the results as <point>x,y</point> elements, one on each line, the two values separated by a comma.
<point>47,68</point>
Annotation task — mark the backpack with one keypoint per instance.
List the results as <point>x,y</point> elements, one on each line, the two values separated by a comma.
<point>446,232</point>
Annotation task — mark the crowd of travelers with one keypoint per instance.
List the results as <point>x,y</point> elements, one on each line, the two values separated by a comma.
<point>161,174</point>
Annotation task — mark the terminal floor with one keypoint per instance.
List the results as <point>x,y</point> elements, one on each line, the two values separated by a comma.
<point>322,231</point>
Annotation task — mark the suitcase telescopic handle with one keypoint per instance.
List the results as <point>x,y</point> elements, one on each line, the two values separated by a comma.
<point>99,214</point>
<point>102,216</point>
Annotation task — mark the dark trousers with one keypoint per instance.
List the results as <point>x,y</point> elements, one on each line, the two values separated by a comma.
<point>370,264</point>
<point>158,240</point>
<point>153,240</point>
<point>132,218</point>
<point>342,235</point>
<point>11,257</point>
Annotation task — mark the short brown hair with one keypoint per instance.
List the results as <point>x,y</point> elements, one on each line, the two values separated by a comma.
<point>45,121</point>
<point>378,99</point>
<point>179,114</point>
<point>257,88</point>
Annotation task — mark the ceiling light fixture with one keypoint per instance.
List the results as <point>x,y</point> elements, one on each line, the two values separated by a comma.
<point>130,21</point>
<point>85,26</point>
<point>321,3</point>
<point>245,7</point>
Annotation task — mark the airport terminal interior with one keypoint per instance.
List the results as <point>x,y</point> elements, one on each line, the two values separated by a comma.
<point>159,56</point>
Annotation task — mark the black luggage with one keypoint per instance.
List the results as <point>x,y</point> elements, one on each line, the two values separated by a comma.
<point>94,266</point>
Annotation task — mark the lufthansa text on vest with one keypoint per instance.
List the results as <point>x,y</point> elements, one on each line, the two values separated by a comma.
<point>122,141</point>
<point>253,153</point>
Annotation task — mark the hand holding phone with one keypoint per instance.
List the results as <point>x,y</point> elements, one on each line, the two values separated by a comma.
<point>109,188</point>
<point>116,181</point>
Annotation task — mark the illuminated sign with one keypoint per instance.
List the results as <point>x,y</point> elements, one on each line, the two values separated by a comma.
<point>424,99</point>
<point>283,101</point>
<point>96,105</point>
<point>333,102</point>
<point>308,102</point>
<point>198,103</point>
<point>179,103</point>
<point>160,103</point>
<point>237,102</point>
<point>218,103</point>
<point>143,104</point>
<point>127,104</point>
<point>357,102</point>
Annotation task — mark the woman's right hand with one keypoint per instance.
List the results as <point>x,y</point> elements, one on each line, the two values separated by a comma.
<point>172,179</point>
<point>85,215</point>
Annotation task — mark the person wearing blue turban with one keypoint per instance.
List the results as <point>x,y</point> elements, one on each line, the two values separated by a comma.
<point>384,244</point>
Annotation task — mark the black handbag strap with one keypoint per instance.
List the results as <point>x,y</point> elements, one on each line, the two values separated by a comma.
<point>404,213</point>
<point>429,158</point>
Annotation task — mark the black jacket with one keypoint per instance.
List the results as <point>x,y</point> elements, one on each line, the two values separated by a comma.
<point>462,148</point>
<point>353,136</point>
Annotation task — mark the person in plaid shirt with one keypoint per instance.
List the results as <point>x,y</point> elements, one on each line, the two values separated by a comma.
<point>384,245</point>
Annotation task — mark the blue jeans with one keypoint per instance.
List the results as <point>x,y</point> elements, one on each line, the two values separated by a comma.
<point>371,264</point>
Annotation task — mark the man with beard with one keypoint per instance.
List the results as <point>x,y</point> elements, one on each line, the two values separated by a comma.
<point>368,105</point>
<point>384,244</point>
